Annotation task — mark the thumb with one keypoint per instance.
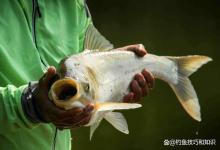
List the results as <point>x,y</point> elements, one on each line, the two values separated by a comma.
<point>51,72</point>
<point>88,109</point>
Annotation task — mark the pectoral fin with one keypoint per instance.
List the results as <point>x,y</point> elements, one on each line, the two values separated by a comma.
<point>93,128</point>
<point>95,121</point>
<point>109,106</point>
<point>118,121</point>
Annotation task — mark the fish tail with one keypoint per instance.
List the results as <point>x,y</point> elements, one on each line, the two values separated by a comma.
<point>184,89</point>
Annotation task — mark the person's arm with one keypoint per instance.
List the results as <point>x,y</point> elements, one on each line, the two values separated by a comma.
<point>11,112</point>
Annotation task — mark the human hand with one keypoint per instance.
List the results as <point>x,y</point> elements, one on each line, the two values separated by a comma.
<point>142,83</point>
<point>49,112</point>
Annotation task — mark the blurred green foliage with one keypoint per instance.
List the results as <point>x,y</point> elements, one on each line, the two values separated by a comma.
<point>165,28</point>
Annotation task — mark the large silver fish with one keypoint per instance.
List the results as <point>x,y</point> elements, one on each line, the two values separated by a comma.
<point>103,78</point>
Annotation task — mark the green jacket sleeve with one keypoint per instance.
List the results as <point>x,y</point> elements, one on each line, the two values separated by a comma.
<point>12,116</point>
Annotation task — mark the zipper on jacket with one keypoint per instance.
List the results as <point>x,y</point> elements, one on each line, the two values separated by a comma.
<point>35,12</point>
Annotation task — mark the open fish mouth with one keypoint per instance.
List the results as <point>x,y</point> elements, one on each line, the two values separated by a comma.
<point>65,91</point>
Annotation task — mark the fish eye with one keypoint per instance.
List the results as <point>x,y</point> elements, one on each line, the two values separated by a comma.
<point>87,87</point>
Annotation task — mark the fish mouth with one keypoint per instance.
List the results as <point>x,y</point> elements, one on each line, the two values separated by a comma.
<point>65,92</point>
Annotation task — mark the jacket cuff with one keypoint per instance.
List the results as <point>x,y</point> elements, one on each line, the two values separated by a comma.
<point>29,106</point>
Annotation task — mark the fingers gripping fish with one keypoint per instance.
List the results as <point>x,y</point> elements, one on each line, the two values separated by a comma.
<point>101,75</point>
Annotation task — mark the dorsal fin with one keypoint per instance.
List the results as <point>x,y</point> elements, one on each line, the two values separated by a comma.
<point>95,41</point>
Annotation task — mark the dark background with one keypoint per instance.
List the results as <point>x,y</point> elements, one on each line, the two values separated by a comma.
<point>169,27</point>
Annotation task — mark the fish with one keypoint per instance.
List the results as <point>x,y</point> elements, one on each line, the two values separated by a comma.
<point>101,75</point>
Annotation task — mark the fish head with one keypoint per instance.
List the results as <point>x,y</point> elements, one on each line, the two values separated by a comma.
<point>78,86</point>
<point>73,87</point>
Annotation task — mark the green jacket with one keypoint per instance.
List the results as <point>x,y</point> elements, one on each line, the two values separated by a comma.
<point>59,31</point>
